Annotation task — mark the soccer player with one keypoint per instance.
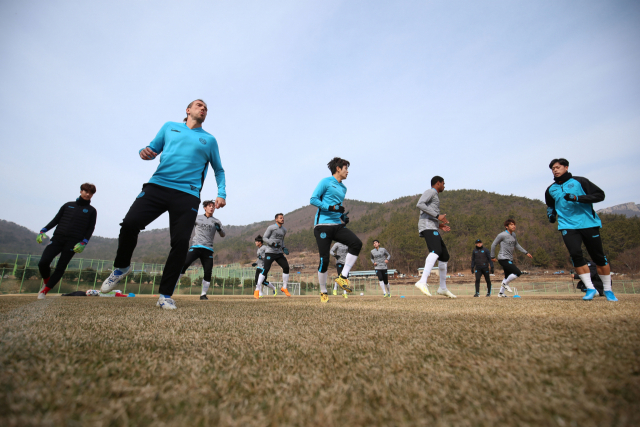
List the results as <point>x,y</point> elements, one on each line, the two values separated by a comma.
<point>429,226</point>
<point>508,243</point>
<point>330,225</point>
<point>570,201</point>
<point>275,252</point>
<point>339,251</point>
<point>202,245</point>
<point>380,258</point>
<point>259,264</point>
<point>187,151</point>
<point>74,222</point>
<point>481,264</point>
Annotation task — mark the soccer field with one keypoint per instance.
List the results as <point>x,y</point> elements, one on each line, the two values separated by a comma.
<point>539,360</point>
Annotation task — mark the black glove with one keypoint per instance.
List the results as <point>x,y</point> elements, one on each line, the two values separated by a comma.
<point>571,197</point>
<point>285,250</point>
<point>218,227</point>
<point>276,245</point>
<point>336,208</point>
<point>255,264</point>
<point>345,218</point>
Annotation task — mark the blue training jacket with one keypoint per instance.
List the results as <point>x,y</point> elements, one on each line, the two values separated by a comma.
<point>329,192</point>
<point>573,215</point>
<point>186,155</point>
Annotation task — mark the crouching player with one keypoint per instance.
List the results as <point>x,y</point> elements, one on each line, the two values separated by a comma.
<point>74,224</point>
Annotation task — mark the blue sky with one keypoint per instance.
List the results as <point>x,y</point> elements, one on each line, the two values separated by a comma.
<point>482,93</point>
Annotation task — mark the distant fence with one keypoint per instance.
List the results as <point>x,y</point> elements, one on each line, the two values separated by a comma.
<point>19,275</point>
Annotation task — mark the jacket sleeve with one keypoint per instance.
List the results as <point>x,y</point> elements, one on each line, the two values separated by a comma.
<point>317,196</point>
<point>333,249</point>
<point>55,220</point>
<point>92,226</point>
<point>520,248</point>
<point>221,232</point>
<point>551,205</point>
<point>490,260</point>
<point>157,144</point>
<point>494,244</point>
<point>424,206</point>
<point>372,259</point>
<point>593,193</point>
<point>388,254</point>
<point>266,238</point>
<point>216,164</point>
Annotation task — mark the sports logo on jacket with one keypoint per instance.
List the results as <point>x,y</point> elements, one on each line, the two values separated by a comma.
<point>85,210</point>
<point>203,141</point>
<point>435,233</point>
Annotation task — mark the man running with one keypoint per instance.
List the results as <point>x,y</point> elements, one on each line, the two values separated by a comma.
<point>202,245</point>
<point>275,252</point>
<point>339,251</point>
<point>508,243</point>
<point>187,151</point>
<point>481,265</point>
<point>380,258</point>
<point>570,200</point>
<point>429,226</point>
<point>259,264</point>
<point>74,222</point>
<point>330,225</point>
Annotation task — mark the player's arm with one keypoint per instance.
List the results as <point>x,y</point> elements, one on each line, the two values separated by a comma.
<point>593,193</point>
<point>495,243</point>
<point>373,259</point>
<point>333,250</point>
<point>387,254</point>
<point>219,229</point>
<point>490,261</point>
<point>424,204</point>
<point>266,238</point>
<point>552,215</point>
<point>55,220</point>
<point>156,146</point>
<point>318,195</point>
<point>221,181</point>
<point>473,261</point>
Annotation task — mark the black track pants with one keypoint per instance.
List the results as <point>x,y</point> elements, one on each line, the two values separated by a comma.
<point>152,202</point>
<point>278,258</point>
<point>509,268</point>
<point>483,271</point>
<point>326,234</point>
<point>206,258</point>
<point>573,240</point>
<point>63,247</point>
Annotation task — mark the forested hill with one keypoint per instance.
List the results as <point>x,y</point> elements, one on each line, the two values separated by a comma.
<point>472,214</point>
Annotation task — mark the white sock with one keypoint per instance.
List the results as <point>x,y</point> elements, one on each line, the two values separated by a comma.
<point>502,288</point>
<point>388,288</point>
<point>335,286</point>
<point>384,291</point>
<point>205,286</point>
<point>586,279</point>
<point>344,292</point>
<point>428,266</point>
<point>179,277</point>
<point>322,279</point>
<point>351,259</point>
<point>442,266</point>
<point>269,285</point>
<point>261,279</point>
<point>606,281</point>
<point>511,278</point>
<point>285,280</point>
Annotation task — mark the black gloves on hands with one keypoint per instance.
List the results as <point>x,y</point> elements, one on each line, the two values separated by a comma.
<point>336,208</point>
<point>571,197</point>
<point>255,264</point>
<point>285,250</point>
<point>218,227</point>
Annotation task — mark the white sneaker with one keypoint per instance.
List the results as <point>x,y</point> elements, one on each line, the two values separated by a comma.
<point>507,287</point>
<point>112,280</point>
<point>501,295</point>
<point>41,295</point>
<point>447,293</point>
<point>424,288</point>
<point>166,303</point>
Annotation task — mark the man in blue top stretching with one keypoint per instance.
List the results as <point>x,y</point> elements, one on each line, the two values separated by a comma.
<point>570,201</point>
<point>187,150</point>
<point>329,224</point>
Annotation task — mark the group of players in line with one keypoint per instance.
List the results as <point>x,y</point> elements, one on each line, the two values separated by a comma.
<point>188,150</point>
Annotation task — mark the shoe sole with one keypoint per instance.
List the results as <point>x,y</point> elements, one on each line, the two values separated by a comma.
<point>424,290</point>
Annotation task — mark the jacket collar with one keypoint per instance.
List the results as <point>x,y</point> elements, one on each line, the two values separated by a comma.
<point>563,178</point>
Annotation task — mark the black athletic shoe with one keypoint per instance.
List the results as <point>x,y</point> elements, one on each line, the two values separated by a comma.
<point>488,294</point>
<point>477,295</point>
<point>204,298</point>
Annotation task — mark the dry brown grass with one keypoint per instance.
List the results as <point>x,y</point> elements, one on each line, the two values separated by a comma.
<point>363,361</point>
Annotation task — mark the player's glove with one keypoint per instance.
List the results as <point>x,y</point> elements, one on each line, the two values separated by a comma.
<point>79,247</point>
<point>218,227</point>
<point>255,264</point>
<point>571,197</point>
<point>345,218</point>
<point>41,235</point>
<point>285,250</point>
<point>276,245</point>
<point>336,208</point>
<point>552,215</point>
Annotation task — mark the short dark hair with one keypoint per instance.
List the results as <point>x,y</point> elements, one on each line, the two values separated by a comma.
<point>563,162</point>
<point>89,188</point>
<point>376,241</point>
<point>277,215</point>
<point>207,203</point>
<point>258,238</point>
<point>336,163</point>
<point>436,179</point>
<point>509,221</point>
<point>190,104</point>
